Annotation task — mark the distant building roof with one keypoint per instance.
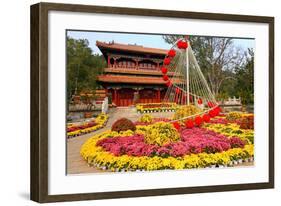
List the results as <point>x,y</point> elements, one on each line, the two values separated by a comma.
<point>130,47</point>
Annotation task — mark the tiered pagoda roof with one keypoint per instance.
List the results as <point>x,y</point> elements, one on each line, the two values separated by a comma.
<point>129,48</point>
<point>131,79</point>
<point>135,69</point>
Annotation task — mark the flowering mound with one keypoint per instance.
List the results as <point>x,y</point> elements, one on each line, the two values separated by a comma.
<point>185,111</point>
<point>233,115</point>
<point>160,145</point>
<point>146,118</point>
<point>123,124</point>
<point>192,142</point>
<point>97,151</point>
<point>161,133</point>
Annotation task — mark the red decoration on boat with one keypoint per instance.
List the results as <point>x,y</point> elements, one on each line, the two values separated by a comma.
<point>167,61</point>
<point>165,77</point>
<point>189,124</point>
<point>176,125</point>
<point>172,53</point>
<point>164,70</point>
<point>178,90</point>
<point>199,101</point>
<point>206,118</point>
<point>198,120</point>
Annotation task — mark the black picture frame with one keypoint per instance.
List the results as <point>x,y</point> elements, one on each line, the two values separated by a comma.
<point>39,101</point>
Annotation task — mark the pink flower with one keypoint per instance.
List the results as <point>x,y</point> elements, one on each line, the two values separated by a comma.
<point>195,140</point>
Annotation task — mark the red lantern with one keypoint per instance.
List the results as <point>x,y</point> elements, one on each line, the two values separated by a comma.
<point>216,111</point>
<point>210,104</point>
<point>206,118</point>
<point>198,120</point>
<point>184,45</point>
<point>172,53</point>
<point>212,113</point>
<point>199,101</point>
<point>190,98</point>
<point>164,70</point>
<point>189,124</point>
<point>179,44</point>
<point>165,77</point>
<point>178,90</point>
<point>168,83</point>
<point>176,125</point>
<point>167,61</point>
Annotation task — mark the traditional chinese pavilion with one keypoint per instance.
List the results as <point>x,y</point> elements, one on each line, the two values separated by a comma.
<point>133,73</point>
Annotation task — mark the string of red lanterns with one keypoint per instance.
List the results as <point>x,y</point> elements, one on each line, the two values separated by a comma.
<point>181,44</point>
<point>199,120</point>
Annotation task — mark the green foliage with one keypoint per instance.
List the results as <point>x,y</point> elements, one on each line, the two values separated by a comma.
<point>228,71</point>
<point>245,80</point>
<point>83,67</point>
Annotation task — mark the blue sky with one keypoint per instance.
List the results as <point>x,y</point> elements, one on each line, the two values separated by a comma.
<point>147,40</point>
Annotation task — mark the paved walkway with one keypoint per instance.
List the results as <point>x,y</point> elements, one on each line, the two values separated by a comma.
<point>76,164</point>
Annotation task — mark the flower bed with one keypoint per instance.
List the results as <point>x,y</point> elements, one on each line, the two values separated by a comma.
<point>84,128</point>
<point>96,156</point>
<point>146,119</point>
<point>232,130</point>
<point>202,141</point>
<point>192,142</point>
<point>197,148</point>
<point>156,107</point>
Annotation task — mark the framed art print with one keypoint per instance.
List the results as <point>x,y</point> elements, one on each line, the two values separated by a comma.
<point>137,102</point>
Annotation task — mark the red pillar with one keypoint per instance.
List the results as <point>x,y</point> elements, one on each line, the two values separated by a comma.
<point>158,95</point>
<point>114,63</point>
<point>108,61</point>
<point>115,96</point>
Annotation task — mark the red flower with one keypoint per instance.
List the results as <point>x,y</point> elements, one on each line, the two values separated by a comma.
<point>198,120</point>
<point>189,124</point>
<point>168,83</point>
<point>165,77</point>
<point>172,53</point>
<point>199,101</point>
<point>167,61</point>
<point>164,70</point>
<point>178,90</point>
<point>176,125</point>
<point>206,118</point>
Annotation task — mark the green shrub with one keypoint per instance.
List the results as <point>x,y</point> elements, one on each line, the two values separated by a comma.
<point>123,124</point>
